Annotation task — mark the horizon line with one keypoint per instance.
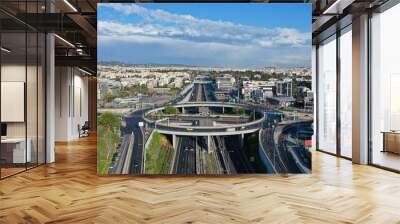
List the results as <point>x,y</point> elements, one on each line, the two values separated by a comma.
<point>203,66</point>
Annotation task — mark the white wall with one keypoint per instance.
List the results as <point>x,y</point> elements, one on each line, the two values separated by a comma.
<point>12,73</point>
<point>33,125</point>
<point>71,87</point>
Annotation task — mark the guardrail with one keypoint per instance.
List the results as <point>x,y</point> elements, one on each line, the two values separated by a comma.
<point>127,162</point>
<point>146,145</point>
<point>230,168</point>
<point>204,104</point>
<point>226,128</point>
<point>174,165</point>
<point>263,153</point>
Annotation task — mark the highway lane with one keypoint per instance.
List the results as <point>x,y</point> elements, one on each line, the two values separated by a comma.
<point>138,149</point>
<point>200,95</point>
<point>238,158</point>
<point>195,92</point>
<point>300,156</point>
<point>291,157</point>
<point>132,125</point>
<point>186,156</point>
<point>137,156</point>
<point>201,152</point>
<point>224,155</point>
<point>285,159</point>
<point>116,167</point>
<point>267,140</point>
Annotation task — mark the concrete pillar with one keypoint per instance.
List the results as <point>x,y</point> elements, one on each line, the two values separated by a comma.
<point>174,143</point>
<point>223,110</point>
<point>360,90</point>
<point>195,143</point>
<point>50,97</point>
<point>183,110</point>
<point>241,140</point>
<point>209,144</point>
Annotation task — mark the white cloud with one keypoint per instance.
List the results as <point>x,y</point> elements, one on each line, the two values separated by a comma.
<point>162,23</point>
<point>162,37</point>
<point>198,53</point>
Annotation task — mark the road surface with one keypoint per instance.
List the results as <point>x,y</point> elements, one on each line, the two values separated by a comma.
<point>186,156</point>
<point>137,152</point>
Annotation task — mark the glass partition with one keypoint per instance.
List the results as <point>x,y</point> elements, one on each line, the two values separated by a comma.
<point>327,95</point>
<point>385,89</point>
<point>13,86</point>
<point>31,97</point>
<point>41,97</point>
<point>346,92</point>
<point>22,88</point>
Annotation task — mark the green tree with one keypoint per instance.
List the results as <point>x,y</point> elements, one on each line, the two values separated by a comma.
<point>108,97</point>
<point>109,121</point>
<point>241,111</point>
<point>170,110</point>
<point>144,89</point>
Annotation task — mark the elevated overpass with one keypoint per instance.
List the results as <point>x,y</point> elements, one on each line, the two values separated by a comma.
<point>165,127</point>
<point>240,127</point>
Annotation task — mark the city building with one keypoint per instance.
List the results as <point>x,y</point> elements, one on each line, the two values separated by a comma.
<point>225,82</point>
<point>222,95</point>
<point>309,100</point>
<point>284,88</point>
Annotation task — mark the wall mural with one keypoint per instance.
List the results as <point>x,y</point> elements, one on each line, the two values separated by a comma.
<point>194,89</point>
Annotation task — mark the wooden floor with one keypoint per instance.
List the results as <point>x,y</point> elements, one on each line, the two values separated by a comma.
<point>386,159</point>
<point>69,191</point>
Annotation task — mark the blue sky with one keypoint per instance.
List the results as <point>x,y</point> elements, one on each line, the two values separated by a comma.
<point>220,35</point>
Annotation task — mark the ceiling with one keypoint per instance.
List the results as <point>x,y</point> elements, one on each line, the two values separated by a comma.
<point>75,22</point>
<point>331,15</point>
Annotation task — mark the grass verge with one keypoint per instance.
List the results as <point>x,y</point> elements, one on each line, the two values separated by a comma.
<point>159,155</point>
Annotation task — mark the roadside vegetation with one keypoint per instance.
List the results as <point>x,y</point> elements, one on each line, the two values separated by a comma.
<point>251,144</point>
<point>170,110</point>
<point>159,155</point>
<point>127,91</point>
<point>135,90</point>
<point>108,138</point>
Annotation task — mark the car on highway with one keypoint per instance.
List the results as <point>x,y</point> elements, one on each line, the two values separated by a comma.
<point>187,148</point>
